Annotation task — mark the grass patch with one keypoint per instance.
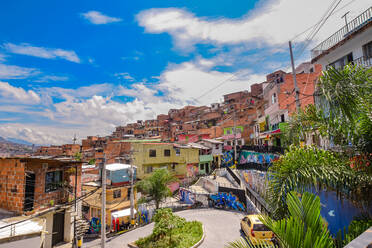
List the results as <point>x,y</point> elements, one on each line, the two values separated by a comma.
<point>178,234</point>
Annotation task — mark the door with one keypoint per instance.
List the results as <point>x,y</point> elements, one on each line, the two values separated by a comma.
<point>207,168</point>
<point>28,204</point>
<point>58,227</point>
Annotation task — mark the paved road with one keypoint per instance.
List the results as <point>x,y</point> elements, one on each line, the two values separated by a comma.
<point>220,228</point>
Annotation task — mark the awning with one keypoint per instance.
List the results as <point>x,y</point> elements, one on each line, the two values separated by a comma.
<point>122,213</point>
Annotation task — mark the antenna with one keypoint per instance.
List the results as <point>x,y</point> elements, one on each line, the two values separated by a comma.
<point>74,139</point>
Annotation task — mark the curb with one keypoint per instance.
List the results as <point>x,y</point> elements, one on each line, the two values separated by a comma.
<point>201,240</point>
<point>133,245</point>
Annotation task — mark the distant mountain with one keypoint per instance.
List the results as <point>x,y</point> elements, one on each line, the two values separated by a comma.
<point>12,147</point>
<point>19,141</point>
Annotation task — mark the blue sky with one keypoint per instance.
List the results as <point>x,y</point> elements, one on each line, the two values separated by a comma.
<point>87,66</point>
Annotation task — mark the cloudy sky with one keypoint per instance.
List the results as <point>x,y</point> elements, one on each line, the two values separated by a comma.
<point>83,67</point>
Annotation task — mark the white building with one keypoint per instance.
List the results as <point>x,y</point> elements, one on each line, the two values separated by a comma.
<point>350,44</point>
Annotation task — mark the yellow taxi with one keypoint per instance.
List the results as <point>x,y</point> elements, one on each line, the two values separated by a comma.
<point>256,231</point>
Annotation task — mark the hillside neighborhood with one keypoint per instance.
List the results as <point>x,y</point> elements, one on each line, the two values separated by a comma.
<point>286,162</point>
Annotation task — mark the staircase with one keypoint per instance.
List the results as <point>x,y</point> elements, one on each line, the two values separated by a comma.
<point>82,226</point>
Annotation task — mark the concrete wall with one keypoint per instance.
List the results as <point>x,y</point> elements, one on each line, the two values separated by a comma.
<point>354,45</point>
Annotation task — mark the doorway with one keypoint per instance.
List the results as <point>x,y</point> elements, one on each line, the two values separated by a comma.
<point>58,227</point>
<point>28,204</point>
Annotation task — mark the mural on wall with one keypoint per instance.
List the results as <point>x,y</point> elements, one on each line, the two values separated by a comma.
<point>143,217</point>
<point>227,200</point>
<point>257,157</point>
<point>337,213</point>
<point>94,226</point>
<point>256,181</point>
<point>192,170</point>
<point>227,159</point>
<point>186,196</point>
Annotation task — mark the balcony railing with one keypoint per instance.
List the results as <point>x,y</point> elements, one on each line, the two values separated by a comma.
<point>344,32</point>
<point>363,61</point>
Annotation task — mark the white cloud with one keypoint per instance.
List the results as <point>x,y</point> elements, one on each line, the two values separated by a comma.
<point>48,78</point>
<point>16,95</point>
<point>96,17</point>
<point>2,57</point>
<point>42,52</point>
<point>16,72</point>
<point>124,75</point>
<point>272,23</point>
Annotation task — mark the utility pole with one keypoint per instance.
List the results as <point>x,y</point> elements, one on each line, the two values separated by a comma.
<point>76,174</point>
<point>345,17</point>
<point>131,194</point>
<point>298,105</point>
<point>234,132</point>
<point>103,210</point>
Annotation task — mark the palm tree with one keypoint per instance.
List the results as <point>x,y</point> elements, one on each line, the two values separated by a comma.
<point>155,186</point>
<point>309,168</point>
<point>343,114</point>
<point>304,226</point>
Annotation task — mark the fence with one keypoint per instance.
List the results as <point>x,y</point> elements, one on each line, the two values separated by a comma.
<point>351,27</point>
<point>264,149</point>
<point>236,178</point>
<point>254,166</point>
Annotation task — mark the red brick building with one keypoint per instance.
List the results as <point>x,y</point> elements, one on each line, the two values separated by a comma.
<point>32,184</point>
<point>306,83</point>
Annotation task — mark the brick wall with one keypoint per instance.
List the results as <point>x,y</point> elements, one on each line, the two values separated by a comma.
<point>306,84</point>
<point>12,181</point>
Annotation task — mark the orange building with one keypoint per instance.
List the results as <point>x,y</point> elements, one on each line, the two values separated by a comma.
<point>306,84</point>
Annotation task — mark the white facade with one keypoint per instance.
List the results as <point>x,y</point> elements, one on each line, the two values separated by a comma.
<point>354,46</point>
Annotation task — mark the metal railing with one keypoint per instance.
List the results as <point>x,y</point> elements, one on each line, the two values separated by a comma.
<point>344,32</point>
<point>264,149</point>
<point>363,61</point>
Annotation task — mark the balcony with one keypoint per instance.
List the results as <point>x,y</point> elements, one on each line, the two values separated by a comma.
<point>205,158</point>
<point>363,61</point>
<point>353,26</point>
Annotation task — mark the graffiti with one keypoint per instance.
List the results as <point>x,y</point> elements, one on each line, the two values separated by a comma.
<point>192,170</point>
<point>143,217</point>
<point>186,196</point>
<point>227,200</point>
<point>256,181</point>
<point>257,157</point>
<point>228,159</point>
<point>94,225</point>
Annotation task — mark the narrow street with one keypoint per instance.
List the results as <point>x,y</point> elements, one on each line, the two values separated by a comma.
<point>220,227</point>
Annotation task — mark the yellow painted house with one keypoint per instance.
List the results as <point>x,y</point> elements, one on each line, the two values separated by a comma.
<point>181,160</point>
<point>117,199</point>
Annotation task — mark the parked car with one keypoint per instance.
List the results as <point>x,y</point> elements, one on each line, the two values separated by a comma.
<point>256,232</point>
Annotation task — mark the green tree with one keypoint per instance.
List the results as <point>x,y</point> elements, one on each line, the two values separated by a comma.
<point>306,168</point>
<point>77,156</point>
<point>155,186</point>
<point>343,112</point>
<point>165,223</point>
<point>303,228</point>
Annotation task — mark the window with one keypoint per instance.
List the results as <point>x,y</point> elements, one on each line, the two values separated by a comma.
<point>178,151</point>
<point>239,142</point>
<point>167,153</point>
<point>282,119</point>
<point>53,181</point>
<point>249,222</point>
<point>117,193</point>
<point>201,166</point>
<point>228,131</point>
<point>229,143</point>
<point>367,50</point>
<point>148,169</point>
<point>152,153</point>
<point>273,98</point>
<point>173,166</point>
